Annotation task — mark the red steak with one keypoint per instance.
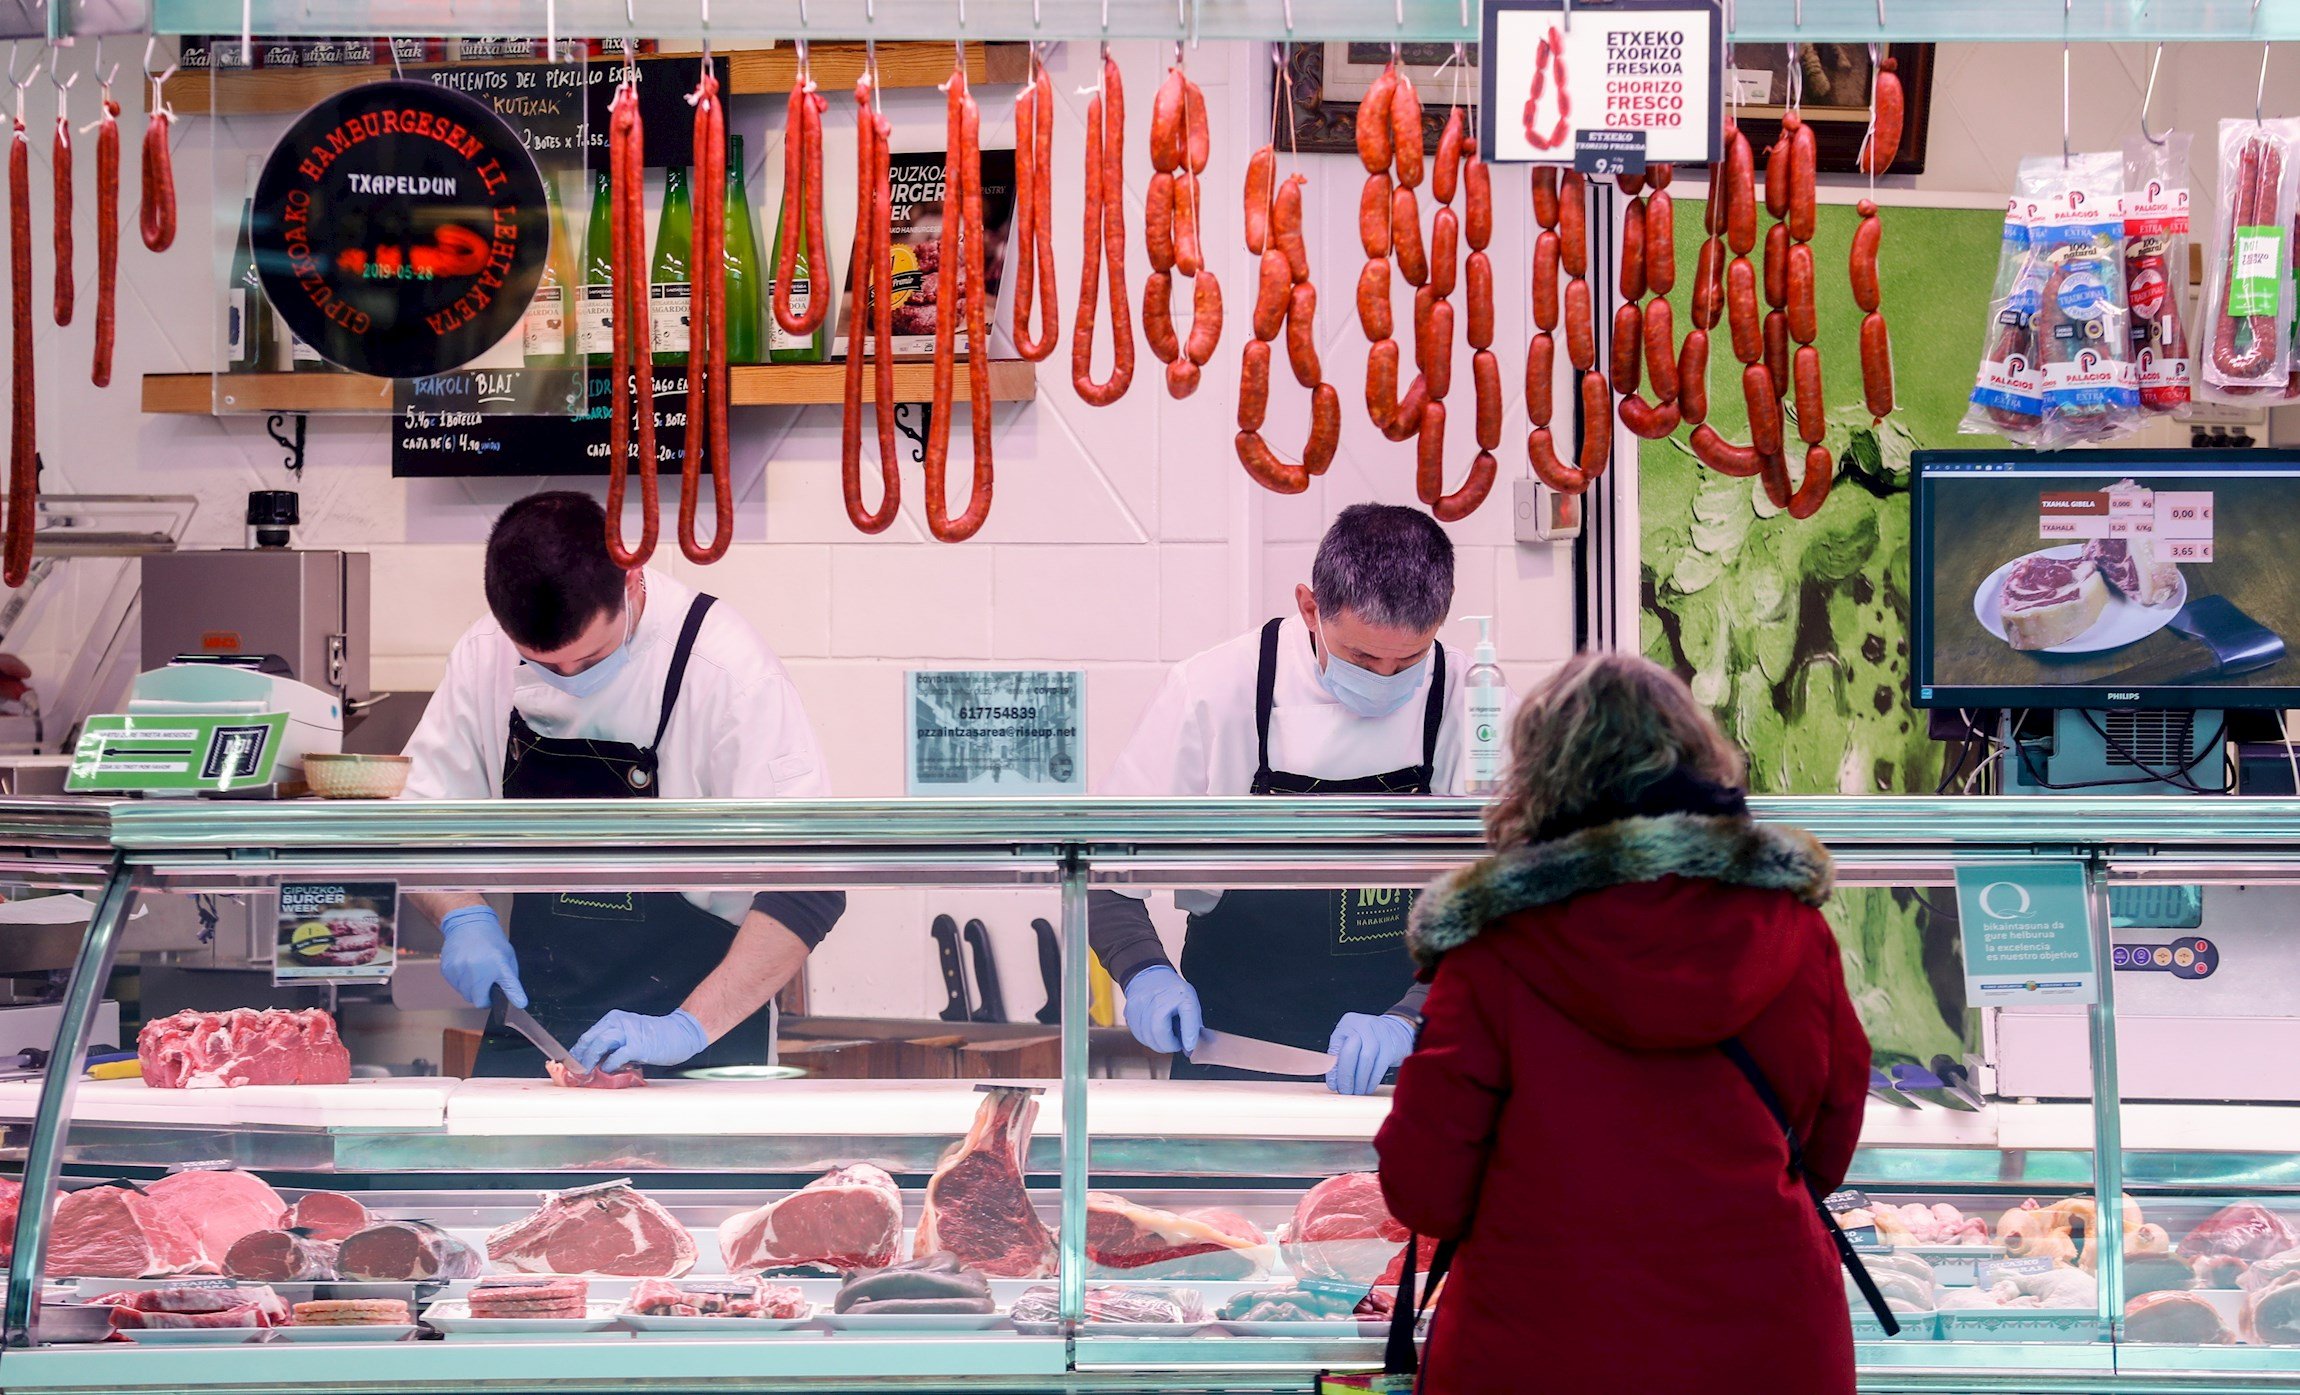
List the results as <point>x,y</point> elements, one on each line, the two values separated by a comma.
<point>605,1229</point>
<point>406,1250</point>
<point>848,1219</point>
<point>220,1205</point>
<point>280,1257</point>
<point>2244,1230</point>
<point>1142,1241</point>
<point>327,1215</point>
<point>977,1207</point>
<point>1342,1229</point>
<point>120,1233</point>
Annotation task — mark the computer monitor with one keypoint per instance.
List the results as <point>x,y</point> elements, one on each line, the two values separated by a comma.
<point>2162,579</point>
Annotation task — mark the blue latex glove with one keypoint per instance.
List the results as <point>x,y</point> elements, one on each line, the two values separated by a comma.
<point>1366,1049</point>
<point>1162,1010</point>
<point>627,1039</point>
<point>477,955</point>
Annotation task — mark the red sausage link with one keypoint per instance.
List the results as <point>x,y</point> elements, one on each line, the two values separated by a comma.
<point>1660,242</point>
<point>1166,124</point>
<point>1302,336</point>
<point>1158,316</point>
<point>1545,279</point>
<point>1777,265</point>
<point>1804,163</point>
<point>1741,310</point>
<point>1158,221</point>
<point>1628,344</point>
<point>1580,326</point>
<point>1596,425</point>
<point>1325,429</point>
<point>1444,252</point>
<point>1382,382</point>
<point>1445,170</point>
<point>706,442</point>
<point>1545,196</point>
<point>60,194</point>
<point>1630,185</point>
<point>23,443</point>
<point>1182,378</point>
<point>1477,219</point>
<point>1722,455</point>
<point>962,188</point>
<point>1373,303</point>
<point>1275,283</point>
<point>802,198</point>
<point>1267,469</point>
<point>1868,238</point>
<point>1105,246</point>
<point>1777,174</point>
<point>1646,420</point>
<point>1660,335</point>
<point>1876,366</point>
<point>1406,237</point>
<point>874,251</point>
<point>1693,377</point>
<point>1812,413</point>
<point>1406,132</point>
<point>1433,351</point>
<point>1407,420</point>
<point>1777,352</point>
<point>1657,177</point>
<point>1429,455</point>
<point>1286,227</point>
<point>1189,252</point>
<point>1461,503</point>
<point>1485,378</point>
<point>1709,284</point>
<point>1205,319</point>
<point>1540,374</point>
<point>1764,409</point>
<point>1254,385</point>
<point>1198,137</point>
<point>1884,137</point>
<point>1480,277</point>
<point>1820,466</point>
<point>1374,123</point>
<point>1541,453</point>
<point>1804,322</point>
<point>631,367</point>
<point>1633,251</point>
<point>1573,223</point>
<point>158,215</point>
<point>1261,184</point>
<point>1740,181</point>
<point>1033,213</point>
<point>107,238</point>
<point>1374,205</point>
<point>1773,471</point>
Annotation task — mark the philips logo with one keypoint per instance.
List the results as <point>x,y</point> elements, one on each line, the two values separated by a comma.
<point>2123,697</point>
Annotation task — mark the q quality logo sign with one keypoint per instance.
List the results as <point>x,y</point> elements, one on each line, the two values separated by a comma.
<point>2027,933</point>
<point>400,229</point>
<point>2004,900</point>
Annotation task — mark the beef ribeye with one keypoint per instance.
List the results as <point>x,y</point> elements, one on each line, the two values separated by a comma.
<point>406,1250</point>
<point>280,1257</point>
<point>607,1229</point>
<point>848,1219</point>
<point>1342,1229</point>
<point>112,1232</point>
<point>328,1216</point>
<point>2245,1230</point>
<point>977,1206</point>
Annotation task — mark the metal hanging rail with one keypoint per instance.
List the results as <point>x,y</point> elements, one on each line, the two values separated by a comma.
<point>1418,21</point>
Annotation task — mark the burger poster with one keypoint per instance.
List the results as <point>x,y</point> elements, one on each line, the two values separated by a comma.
<point>1605,88</point>
<point>339,932</point>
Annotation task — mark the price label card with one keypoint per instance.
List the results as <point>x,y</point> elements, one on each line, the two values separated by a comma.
<point>1652,68</point>
<point>2185,549</point>
<point>2184,514</point>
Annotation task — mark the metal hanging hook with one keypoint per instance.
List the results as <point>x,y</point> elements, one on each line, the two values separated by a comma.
<point>2260,88</point>
<point>2150,95</point>
<point>21,83</point>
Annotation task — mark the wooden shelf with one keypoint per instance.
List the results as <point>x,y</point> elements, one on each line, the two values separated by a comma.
<point>754,385</point>
<point>751,73</point>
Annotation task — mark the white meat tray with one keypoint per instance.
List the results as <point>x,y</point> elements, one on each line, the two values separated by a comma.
<point>397,1102</point>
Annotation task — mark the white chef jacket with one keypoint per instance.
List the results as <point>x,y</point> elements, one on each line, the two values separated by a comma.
<point>1198,735</point>
<point>738,732</point>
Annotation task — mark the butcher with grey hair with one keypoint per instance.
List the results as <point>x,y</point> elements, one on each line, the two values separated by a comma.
<point>1352,695</point>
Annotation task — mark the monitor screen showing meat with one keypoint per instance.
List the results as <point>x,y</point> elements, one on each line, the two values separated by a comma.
<point>2105,578</point>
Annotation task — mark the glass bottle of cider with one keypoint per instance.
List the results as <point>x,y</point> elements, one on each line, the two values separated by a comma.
<point>595,316</point>
<point>548,331</point>
<point>672,296</point>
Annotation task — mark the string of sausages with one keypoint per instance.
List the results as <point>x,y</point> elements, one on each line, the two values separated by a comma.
<point>802,206</point>
<point>1648,267</point>
<point>962,213</point>
<point>1105,246</point>
<point>1389,136</point>
<point>1434,328</point>
<point>23,457</point>
<point>1733,218</point>
<point>632,361</point>
<point>1789,289</point>
<point>1034,213</point>
<point>707,334</point>
<point>1284,299</point>
<point>1877,153</point>
<point>1561,211</point>
<point>873,256</point>
<point>1179,146</point>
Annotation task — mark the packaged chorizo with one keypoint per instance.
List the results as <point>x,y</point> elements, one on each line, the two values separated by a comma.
<point>2244,326</point>
<point>2008,390</point>
<point>2083,322</point>
<point>914,181</point>
<point>2156,268</point>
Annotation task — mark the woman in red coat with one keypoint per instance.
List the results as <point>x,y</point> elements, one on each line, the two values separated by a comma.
<point>1622,1199</point>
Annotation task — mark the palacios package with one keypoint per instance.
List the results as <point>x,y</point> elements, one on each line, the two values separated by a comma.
<point>2155,268</point>
<point>2244,330</point>
<point>2008,390</point>
<point>914,182</point>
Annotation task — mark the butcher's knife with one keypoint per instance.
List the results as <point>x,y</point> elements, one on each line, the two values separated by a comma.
<point>2236,642</point>
<point>501,1014</point>
<point>945,932</point>
<point>990,1004</point>
<point>1250,1053</point>
<point>1049,971</point>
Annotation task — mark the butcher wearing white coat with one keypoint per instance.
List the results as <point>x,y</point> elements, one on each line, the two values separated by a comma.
<point>1353,695</point>
<point>587,682</point>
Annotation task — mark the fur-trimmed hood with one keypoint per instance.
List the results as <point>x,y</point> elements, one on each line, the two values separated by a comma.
<point>1662,944</point>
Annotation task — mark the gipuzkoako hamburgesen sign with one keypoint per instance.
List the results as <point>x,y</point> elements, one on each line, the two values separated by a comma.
<point>400,228</point>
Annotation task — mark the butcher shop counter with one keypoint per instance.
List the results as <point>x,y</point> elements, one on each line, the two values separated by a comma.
<point>1962,1181</point>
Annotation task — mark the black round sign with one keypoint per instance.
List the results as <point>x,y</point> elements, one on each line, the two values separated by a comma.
<point>400,229</point>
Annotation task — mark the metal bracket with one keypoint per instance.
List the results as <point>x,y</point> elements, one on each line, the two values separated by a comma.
<point>294,446</point>
<point>924,412</point>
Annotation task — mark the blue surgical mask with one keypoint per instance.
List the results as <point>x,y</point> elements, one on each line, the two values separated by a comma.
<point>596,677</point>
<point>1367,693</point>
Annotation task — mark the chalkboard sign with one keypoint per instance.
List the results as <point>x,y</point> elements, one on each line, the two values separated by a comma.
<point>468,424</point>
<point>560,109</point>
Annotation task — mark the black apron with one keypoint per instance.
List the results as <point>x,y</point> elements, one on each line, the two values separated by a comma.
<point>1284,966</point>
<point>583,954</point>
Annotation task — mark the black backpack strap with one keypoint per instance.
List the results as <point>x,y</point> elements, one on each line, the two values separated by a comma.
<point>1738,1053</point>
<point>1400,1357</point>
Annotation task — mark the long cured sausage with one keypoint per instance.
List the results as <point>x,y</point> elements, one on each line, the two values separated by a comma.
<point>962,193</point>
<point>2243,346</point>
<point>23,445</point>
<point>1876,348</point>
<point>1033,214</point>
<point>157,215</point>
<point>802,207</point>
<point>632,362</point>
<point>1891,105</point>
<point>1105,249</point>
<point>1287,303</point>
<point>706,441</point>
<point>873,257</point>
<point>107,237</point>
<point>60,173</point>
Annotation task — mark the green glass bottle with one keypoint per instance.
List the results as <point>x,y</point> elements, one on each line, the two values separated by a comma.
<point>671,296</point>
<point>595,319</point>
<point>247,315</point>
<point>548,330</point>
<point>746,281</point>
<point>782,346</point>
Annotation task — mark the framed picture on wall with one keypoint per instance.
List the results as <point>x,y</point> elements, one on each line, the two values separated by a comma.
<point>1838,79</point>
<point>1329,79</point>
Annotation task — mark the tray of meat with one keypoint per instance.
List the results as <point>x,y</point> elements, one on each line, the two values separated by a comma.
<point>1113,1310</point>
<point>703,1306</point>
<point>1311,1308</point>
<point>935,1293</point>
<point>523,1305</point>
<point>200,1313</point>
<point>350,1320</point>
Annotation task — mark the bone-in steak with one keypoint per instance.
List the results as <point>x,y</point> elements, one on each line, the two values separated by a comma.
<point>977,1207</point>
<point>607,1229</point>
<point>848,1219</point>
<point>1144,1242</point>
<point>119,1233</point>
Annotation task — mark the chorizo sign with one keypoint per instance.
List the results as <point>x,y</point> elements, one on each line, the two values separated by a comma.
<point>1605,87</point>
<point>400,228</point>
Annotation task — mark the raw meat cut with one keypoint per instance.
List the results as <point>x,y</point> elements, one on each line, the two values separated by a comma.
<point>280,1257</point>
<point>2148,1273</point>
<point>327,1216</point>
<point>118,1232</point>
<point>219,1205</point>
<point>848,1219</point>
<point>607,1229</point>
<point>717,1298</point>
<point>11,1200</point>
<point>406,1250</point>
<point>1142,1241</point>
<point>935,1283</point>
<point>353,1312</point>
<point>2050,600</point>
<point>1919,1224</point>
<point>977,1207</point>
<point>245,1046</point>
<point>2271,1314</point>
<point>2245,1230</point>
<point>1342,1229</point>
<point>2182,1318</point>
<point>564,1074</point>
<point>530,1298</point>
<point>2129,562</point>
<point>2222,1271</point>
<point>1042,1304</point>
<point>2058,1287</point>
<point>195,1307</point>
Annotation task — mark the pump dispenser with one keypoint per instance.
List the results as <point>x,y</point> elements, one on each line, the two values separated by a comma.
<point>1486,696</point>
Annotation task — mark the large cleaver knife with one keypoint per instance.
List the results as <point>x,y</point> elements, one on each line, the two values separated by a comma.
<point>501,1014</point>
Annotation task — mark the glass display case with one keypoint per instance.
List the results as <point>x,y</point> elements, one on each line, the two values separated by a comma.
<point>1112,1225</point>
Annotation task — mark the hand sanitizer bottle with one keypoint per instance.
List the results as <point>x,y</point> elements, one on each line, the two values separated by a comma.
<point>1486,697</point>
